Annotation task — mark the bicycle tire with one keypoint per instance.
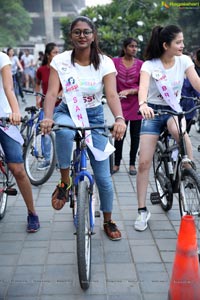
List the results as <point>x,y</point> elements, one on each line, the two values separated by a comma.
<point>83,235</point>
<point>197,121</point>
<point>3,195</point>
<point>34,155</point>
<point>163,184</point>
<point>111,157</point>
<point>189,198</point>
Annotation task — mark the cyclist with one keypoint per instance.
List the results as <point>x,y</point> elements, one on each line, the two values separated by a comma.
<point>82,73</point>
<point>11,140</point>
<point>42,78</point>
<point>161,81</point>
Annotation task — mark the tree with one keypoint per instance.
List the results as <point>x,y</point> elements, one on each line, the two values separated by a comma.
<point>15,23</point>
<point>124,18</point>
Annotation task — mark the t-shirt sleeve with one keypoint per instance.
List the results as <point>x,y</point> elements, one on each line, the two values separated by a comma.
<point>147,67</point>
<point>187,61</point>
<point>107,66</point>
<point>4,60</point>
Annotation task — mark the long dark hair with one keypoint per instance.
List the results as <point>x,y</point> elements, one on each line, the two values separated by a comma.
<point>127,42</point>
<point>94,53</point>
<point>159,36</point>
<point>49,47</point>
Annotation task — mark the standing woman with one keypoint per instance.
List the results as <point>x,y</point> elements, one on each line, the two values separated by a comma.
<point>128,68</point>
<point>42,79</point>
<point>15,66</point>
<point>83,72</point>
<point>161,81</point>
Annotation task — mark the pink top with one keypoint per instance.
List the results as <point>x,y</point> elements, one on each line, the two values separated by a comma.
<point>128,78</point>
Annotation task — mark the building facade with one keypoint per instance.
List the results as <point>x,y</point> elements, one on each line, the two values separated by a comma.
<point>45,15</point>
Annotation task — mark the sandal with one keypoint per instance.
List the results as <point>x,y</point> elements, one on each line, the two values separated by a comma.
<point>112,231</point>
<point>60,195</point>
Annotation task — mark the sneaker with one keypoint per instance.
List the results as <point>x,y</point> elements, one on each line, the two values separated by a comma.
<point>43,165</point>
<point>142,219</point>
<point>33,223</point>
<point>60,195</point>
<point>112,231</point>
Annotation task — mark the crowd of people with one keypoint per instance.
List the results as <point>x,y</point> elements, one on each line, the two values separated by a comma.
<point>129,84</point>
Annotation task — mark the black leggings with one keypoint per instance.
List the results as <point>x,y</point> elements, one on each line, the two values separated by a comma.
<point>135,138</point>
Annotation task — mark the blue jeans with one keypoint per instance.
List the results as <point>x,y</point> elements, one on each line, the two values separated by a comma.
<point>64,147</point>
<point>12,149</point>
<point>156,125</point>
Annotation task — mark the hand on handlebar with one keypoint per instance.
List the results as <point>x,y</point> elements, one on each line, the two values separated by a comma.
<point>146,111</point>
<point>46,125</point>
<point>15,118</point>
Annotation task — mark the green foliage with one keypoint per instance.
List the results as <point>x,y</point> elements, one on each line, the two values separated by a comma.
<point>15,23</point>
<point>120,19</point>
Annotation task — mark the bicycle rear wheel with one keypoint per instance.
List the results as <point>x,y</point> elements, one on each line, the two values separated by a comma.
<point>163,184</point>
<point>189,198</point>
<point>83,235</point>
<point>34,156</point>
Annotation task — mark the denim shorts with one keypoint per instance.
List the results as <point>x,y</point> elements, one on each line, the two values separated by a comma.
<point>12,149</point>
<point>156,125</point>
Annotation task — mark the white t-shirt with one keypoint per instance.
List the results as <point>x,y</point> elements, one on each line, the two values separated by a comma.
<point>4,104</point>
<point>90,81</point>
<point>27,60</point>
<point>175,75</point>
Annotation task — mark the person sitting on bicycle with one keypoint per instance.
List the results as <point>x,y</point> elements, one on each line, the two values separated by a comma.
<point>161,81</point>
<point>11,140</point>
<point>82,73</point>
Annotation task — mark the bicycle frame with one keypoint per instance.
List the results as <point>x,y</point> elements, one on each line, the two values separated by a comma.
<point>80,166</point>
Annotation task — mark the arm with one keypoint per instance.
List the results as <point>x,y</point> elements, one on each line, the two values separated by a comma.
<point>114,105</point>
<point>50,100</point>
<point>145,110</point>
<point>128,92</point>
<point>193,78</point>
<point>15,116</point>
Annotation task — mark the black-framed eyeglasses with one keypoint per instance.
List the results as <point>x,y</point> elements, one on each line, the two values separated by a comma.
<point>78,32</point>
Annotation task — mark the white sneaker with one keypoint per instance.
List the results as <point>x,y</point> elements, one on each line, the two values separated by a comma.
<point>142,219</point>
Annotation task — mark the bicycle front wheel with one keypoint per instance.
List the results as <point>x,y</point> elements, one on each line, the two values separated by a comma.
<point>163,184</point>
<point>37,167</point>
<point>3,195</point>
<point>83,235</point>
<point>189,198</point>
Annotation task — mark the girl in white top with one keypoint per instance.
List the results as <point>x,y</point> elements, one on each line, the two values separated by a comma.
<point>161,81</point>
<point>82,73</point>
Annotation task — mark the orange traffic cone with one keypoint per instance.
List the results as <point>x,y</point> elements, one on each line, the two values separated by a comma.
<point>185,280</point>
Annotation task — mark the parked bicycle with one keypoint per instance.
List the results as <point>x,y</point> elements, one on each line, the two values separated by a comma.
<point>175,173</point>
<point>39,150</point>
<point>83,196</point>
<point>6,178</point>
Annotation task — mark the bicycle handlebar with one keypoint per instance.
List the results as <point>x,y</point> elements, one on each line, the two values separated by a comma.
<point>160,112</point>
<point>57,126</point>
<point>6,120</point>
<point>29,92</point>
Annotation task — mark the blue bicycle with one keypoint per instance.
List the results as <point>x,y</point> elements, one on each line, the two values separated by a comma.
<point>39,150</point>
<point>83,195</point>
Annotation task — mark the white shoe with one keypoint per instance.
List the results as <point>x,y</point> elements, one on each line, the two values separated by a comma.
<point>142,219</point>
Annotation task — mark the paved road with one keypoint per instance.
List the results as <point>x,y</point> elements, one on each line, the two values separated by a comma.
<point>42,266</point>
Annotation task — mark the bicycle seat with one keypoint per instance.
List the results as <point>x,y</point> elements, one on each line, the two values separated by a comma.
<point>32,109</point>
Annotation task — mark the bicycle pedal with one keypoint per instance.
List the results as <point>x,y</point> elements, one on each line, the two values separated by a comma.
<point>11,191</point>
<point>97,214</point>
<point>155,198</point>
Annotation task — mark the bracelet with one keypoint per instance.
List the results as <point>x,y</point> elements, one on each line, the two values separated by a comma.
<point>143,102</point>
<point>119,117</point>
